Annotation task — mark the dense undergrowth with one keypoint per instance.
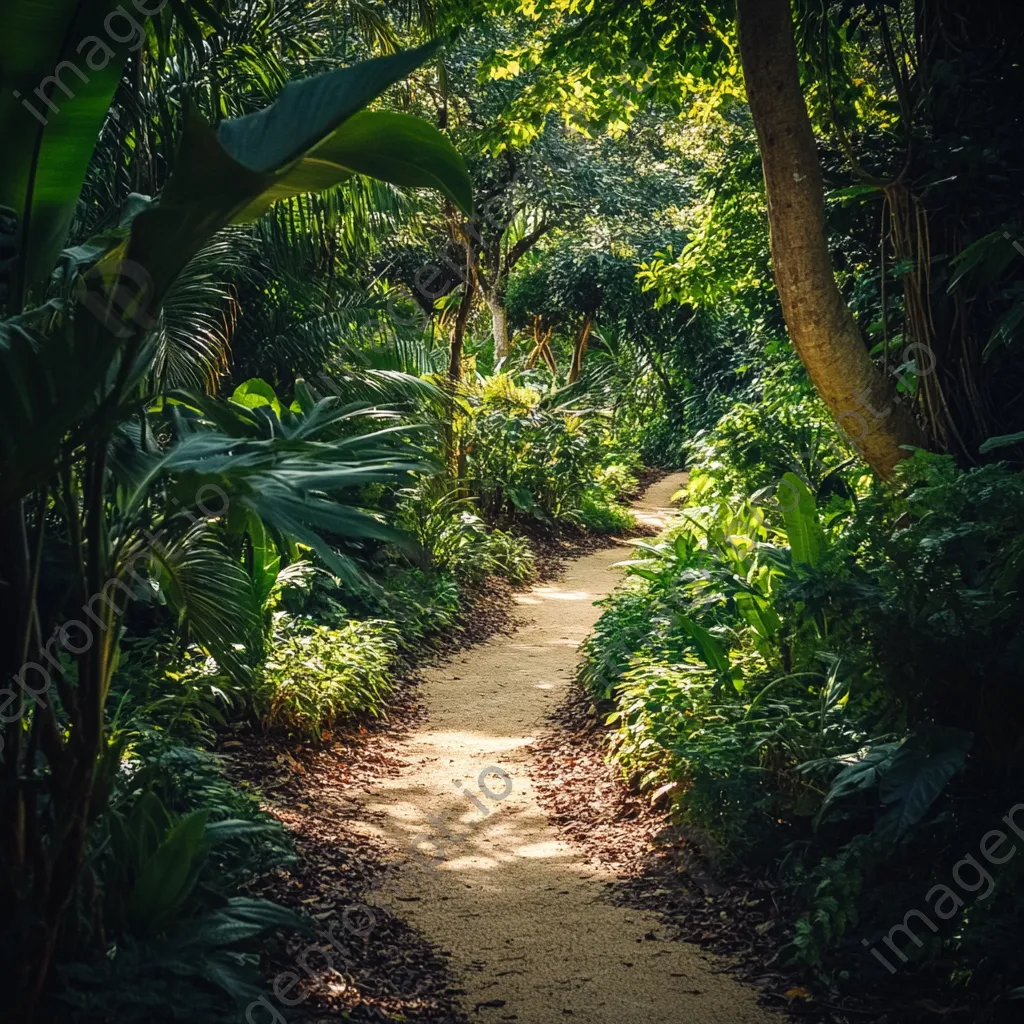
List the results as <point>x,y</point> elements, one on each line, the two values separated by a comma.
<point>311,326</point>
<point>323,652</point>
<point>823,671</point>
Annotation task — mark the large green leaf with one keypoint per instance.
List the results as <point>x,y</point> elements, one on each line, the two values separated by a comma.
<point>928,759</point>
<point>48,383</point>
<point>170,874</point>
<point>860,774</point>
<point>299,479</point>
<point>711,652</point>
<point>801,517</point>
<point>296,145</point>
<point>254,393</point>
<point>395,148</point>
<point>1003,441</point>
<point>44,164</point>
<point>213,596</point>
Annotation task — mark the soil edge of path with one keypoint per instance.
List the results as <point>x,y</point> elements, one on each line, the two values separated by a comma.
<point>479,869</point>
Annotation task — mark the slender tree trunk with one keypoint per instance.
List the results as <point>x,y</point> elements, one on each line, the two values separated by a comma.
<point>499,324</point>
<point>541,346</point>
<point>579,348</point>
<point>820,324</point>
<point>459,329</point>
<point>452,454</point>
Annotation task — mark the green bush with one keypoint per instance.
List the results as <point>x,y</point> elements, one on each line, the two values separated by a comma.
<point>456,540</point>
<point>619,480</point>
<point>425,603</point>
<point>814,680</point>
<point>170,855</point>
<point>317,675</point>
<point>925,594</point>
<point>179,692</point>
<point>445,523</point>
<point>510,557</point>
<point>603,515</point>
<point>785,428</point>
<point>712,689</point>
<point>526,463</point>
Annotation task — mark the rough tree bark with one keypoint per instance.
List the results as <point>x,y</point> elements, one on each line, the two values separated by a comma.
<point>495,261</point>
<point>453,456</point>
<point>821,326</point>
<point>499,324</point>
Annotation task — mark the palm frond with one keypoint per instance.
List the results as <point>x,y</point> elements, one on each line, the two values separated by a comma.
<point>198,316</point>
<point>213,596</point>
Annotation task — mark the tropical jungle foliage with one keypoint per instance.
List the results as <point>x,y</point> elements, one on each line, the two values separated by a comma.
<point>320,315</point>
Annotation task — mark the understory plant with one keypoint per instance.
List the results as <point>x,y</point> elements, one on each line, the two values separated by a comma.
<point>133,489</point>
<point>807,674</point>
<point>530,463</point>
<point>317,675</point>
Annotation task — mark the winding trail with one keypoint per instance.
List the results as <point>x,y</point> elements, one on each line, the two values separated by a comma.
<point>522,914</point>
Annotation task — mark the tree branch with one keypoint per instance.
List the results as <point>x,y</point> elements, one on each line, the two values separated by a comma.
<point>527,242</point>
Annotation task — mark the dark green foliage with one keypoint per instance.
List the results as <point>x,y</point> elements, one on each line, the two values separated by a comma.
<point>171,854</point>
<point>822,672</point>
<point>207,969</point>
<point>316,676</point>
<point>106,465</point>
<point>783,427</point>
<point>834,678</point>
<point>529,463</point>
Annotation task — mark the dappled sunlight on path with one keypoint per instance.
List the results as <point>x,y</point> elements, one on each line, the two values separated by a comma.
<point>480,870</point>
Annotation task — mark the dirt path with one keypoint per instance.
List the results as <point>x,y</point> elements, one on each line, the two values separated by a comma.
<point>522,914</point>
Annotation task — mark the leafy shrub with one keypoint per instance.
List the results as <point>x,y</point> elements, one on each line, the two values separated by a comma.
<point>832,890</point>
<point>529,464</point>
<point>158,685</point>
<point>674,727</point>
<point>620,633</point>
<point>424,603</point>
<point>510,557</point>
<point>206,969</point>
<point>445,524</point>
<point>317,675</point>
<point>785,429</point>
<point>603,515</point>
<point>931,609</point>
<point>717,694</point>
<point>813,681</point>
<point>501,391</point>
<point>619,480</point>
<point>169,855</point>
<point>455,538</point>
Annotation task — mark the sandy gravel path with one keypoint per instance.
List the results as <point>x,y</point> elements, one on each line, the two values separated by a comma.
<point>531,936</point>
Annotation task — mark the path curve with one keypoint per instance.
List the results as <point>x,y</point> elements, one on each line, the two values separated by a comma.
<point>521,913</point>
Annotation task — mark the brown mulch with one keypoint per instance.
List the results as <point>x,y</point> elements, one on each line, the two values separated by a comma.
<point>663,868</point>
<point>384,970</point>
<point>393,973</point>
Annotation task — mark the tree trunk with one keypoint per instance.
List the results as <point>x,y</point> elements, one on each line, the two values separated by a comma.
<point>541,346</point>
<point>579,348</point>
<point>453,456</point>
<point>499,324</point>
<point>821,326</point>
<point>459,330</point>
